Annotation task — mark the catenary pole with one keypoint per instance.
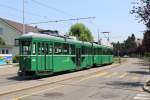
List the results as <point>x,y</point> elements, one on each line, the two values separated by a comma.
<point>23,15</point>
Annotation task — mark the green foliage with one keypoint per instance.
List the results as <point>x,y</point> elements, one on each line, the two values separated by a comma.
<point>81,32</point>
<point>2,42</point>
<point>127,47</point>
<point>16,59</point>
<point>146,41</point>
<point>141,10</point>
<point>147,54</point>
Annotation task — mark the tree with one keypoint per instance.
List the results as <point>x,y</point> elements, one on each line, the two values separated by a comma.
<point>128,47</point>
<point>146,41</point>
<point>141,10</point>
<point>81,32</point>
<point>2,41</point>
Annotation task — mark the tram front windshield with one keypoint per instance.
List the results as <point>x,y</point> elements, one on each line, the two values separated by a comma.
<point>25,47</point>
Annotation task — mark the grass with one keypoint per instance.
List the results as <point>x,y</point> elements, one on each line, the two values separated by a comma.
<point>116,59</point>
<point>147,59</point>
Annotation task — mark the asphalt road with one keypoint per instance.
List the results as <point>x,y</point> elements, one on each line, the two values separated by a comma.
<point>119,83</point>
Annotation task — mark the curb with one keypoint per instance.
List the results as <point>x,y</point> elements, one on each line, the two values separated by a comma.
<point>146,88</point>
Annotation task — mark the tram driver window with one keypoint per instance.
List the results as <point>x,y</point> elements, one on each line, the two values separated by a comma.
<point>26,47</point>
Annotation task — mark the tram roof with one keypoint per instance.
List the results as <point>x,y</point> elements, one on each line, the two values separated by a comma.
<point>45,37</point>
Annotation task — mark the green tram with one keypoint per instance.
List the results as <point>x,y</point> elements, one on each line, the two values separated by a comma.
<point>42,54</point>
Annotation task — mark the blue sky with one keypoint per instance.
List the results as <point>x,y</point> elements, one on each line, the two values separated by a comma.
<point>111,15</point>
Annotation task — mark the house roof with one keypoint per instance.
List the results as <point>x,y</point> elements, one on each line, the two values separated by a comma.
<point>19,26</point>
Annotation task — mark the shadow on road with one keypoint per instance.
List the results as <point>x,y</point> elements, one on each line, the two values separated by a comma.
<point>121,84</point>
<point>27,78</point>
<point>140,72</point>
<point>142,64</point>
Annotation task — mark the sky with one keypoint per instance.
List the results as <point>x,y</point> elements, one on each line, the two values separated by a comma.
<point>110,15</point>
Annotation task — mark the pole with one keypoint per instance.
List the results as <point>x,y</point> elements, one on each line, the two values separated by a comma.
<point>23,16</point>
<point>98,36</point>
<point>119,56</point>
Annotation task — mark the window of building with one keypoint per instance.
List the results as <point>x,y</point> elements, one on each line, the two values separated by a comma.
<point>7,51</point>
<point>1,31</point>
<point>3,51</point>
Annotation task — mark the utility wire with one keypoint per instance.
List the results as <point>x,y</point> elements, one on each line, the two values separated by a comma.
<point>15,9</point>
<point>58,10</point>
<point>53,8</point>
<point>63,20</point>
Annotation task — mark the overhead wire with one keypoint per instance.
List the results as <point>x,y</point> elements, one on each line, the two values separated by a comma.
<point>17,10</point>
<point>53,8</point>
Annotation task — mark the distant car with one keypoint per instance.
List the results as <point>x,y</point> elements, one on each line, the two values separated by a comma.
<point>125,56</point>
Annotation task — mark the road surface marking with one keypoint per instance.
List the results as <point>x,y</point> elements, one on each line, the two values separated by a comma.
<point>112,74</point>
<point>142,97</point>
<point>123,75</point>
<point>135,78</point>
<point>27,95</point>
<point>100,74</point>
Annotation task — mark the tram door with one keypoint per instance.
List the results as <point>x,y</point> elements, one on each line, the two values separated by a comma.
<point>44,59</point>
<point>78,57</point>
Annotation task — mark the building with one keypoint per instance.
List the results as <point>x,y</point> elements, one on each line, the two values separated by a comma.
<point>138,42</point>
<point>9,31</point>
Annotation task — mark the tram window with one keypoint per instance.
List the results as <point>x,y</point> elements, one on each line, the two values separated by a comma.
<point>46,48</point>
<point>42,48</point>
<point>57,48</point>
<point>50,49</point>
<point>94,51</point>
<point>88,51</point>
<point>101,52</point>
<point>39,48</point>
<point>83,50</point>
<point>104,51</point>
<point>34,48</point>
<point>72,49</point>
<point>26,47</point>
<point>65,49</point>
<point>91,51</point>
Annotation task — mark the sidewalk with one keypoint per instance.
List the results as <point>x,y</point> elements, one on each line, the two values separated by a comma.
<point>8,69</point>
<point>7,66</point>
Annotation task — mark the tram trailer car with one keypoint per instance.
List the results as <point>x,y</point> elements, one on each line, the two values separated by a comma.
<point>42,54</point>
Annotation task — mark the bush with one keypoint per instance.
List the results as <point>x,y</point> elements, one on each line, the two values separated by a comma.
<point>16,59</point>
<point>147,54</point>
